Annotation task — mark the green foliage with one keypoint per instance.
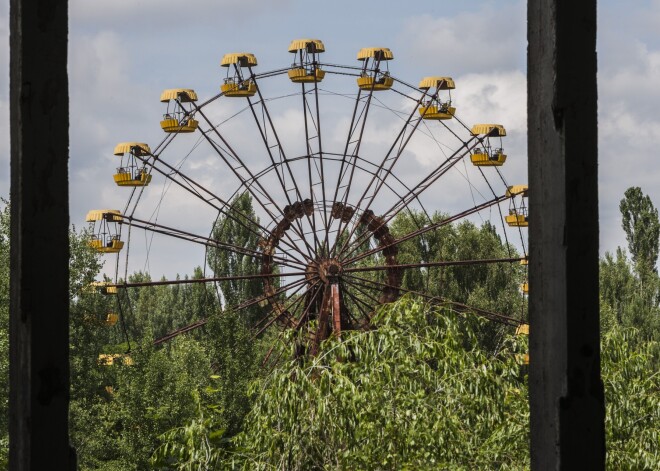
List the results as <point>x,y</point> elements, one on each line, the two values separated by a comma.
<point>493,287</point>
<point>235,230</point>
<point>639,219</point>
<point>416,393</point>
<point>632,398</point>
<point>121,426</point>
<point>195,446</point>
<point>235,360</point>
<point>420,391</point>
<point>157,310</point>
<point>628,300</point>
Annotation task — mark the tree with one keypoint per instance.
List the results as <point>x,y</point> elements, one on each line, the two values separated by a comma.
<point>235,230</point>
<point>630,291</point>
<point>632,399</point>
<point>118,427</point>
<point>642,228</point>
<point>617,284</point>
<point>493,287</point>
<point>417,392</point>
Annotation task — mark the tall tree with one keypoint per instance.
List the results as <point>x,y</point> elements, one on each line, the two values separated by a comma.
<point>235,230</point>
<point>640,222</point>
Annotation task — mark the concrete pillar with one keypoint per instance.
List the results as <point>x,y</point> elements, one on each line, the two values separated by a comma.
<point>566,391</point>
<point>39,310</point>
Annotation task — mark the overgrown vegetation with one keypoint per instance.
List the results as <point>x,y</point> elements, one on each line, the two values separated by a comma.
<point>427,388</point>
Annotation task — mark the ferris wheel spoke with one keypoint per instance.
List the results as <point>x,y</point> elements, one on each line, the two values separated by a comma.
<point>191,186</point>
<point>357,300</point>
<point>304,317</point>
<point>494,316</point>
<point>397,194</point>
<point>252,181</point>
<point>291,262</point>
<point>425,229</point>
<point>308,148</point>
<point>280,290</point>
<point>315,120</point>
<point>321,157</point>
<point>413,194</point>
<point>143,284</point>
<point>402,141</point>
<point>364,237</point>
<point>260,323</point>
<point>446,263</point>
<point>175,333</point>
<point>288,241</point>
<point>293,304</point>
<point>358,120</point>
<point>208,241</point>
<point>204,321</point>
<point>441,170</point>
<point>364,308</point>
<point>244,181</point>
<point>282,160</point>
<point>366,291</point>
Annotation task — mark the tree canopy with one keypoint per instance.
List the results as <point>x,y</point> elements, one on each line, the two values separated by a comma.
<point>425,388</point>
<point>639,219</point>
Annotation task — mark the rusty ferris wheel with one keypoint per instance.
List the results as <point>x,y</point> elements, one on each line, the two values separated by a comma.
<point>328,170</point>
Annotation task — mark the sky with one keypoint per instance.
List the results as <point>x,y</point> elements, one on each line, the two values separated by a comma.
<point>122,54</point>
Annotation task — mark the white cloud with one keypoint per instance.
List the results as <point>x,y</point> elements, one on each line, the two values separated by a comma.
<point>488,39</point>
<point>629,125</point>
<point>159,14</point>
<point>123,53</point>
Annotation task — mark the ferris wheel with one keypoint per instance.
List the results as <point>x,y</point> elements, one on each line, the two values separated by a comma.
<point>332,159</point>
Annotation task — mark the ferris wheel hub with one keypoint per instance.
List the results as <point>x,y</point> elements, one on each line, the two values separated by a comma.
<point>329,270</point>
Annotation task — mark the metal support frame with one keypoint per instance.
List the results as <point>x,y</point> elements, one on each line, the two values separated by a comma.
<point>566,391</point>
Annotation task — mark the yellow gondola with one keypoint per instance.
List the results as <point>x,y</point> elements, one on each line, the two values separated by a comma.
<point>180,117</point>
<point>488,155</point>
<point>515,190</point>
<point>517,216</point>
<point>437,108</point>
<point>105,236</point>
<point>132,170</point>
<point>236,85</point>
<point>372,77</point>
<point>111,319</point>
<point>524,287</point>
<point>305,67</point>
<point>108,359</point>
<point>103,287</point>
<point>522,329</point>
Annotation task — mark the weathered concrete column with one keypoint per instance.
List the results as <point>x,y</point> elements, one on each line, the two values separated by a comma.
<point>566,392</point>
<point>39,310</point>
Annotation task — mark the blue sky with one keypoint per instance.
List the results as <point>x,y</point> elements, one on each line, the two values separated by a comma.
<point>124,53</point>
